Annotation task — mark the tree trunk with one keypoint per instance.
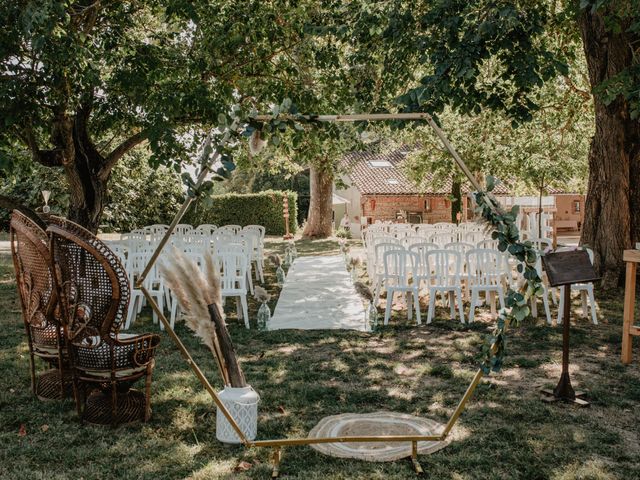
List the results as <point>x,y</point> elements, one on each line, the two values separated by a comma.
<point>88,193</point>
<point>319,221</point>
<point>456,200</point>
<point>612,210</point>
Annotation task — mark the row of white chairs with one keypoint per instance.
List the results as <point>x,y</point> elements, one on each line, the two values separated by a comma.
<point>235,250</point>
<point>458,269</point>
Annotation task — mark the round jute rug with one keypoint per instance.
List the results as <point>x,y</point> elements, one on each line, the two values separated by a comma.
<point>376,423</point>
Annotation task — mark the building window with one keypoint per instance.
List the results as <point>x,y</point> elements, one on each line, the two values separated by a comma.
<point>427,205</point>
<point>380,163</point>
<point>576,206</point>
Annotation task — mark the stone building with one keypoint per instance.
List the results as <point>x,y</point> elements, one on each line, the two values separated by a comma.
<point>374,187</point>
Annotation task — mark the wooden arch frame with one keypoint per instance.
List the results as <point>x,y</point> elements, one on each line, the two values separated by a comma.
<point>278,444</point>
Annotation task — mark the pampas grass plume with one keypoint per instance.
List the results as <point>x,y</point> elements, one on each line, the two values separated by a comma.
<point>261,294</point>
<point>364,291</point>
<point>275,259</point>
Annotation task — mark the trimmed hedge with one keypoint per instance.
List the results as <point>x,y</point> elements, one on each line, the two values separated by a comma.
<point>263,208</point>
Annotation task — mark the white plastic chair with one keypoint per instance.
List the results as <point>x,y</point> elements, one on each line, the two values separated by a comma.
<point>399,267</point>
<point>444,276</point>
<point>487,244</point>
<point>444,225</point>
<point>586,292</point>
<point>422,269</point>
<point>443,237</point>
<point>154,284</point>
<point>228,230</point>
<point>472,236</point>
<point>485,272</point>
<point>207,229</point>
<point>182,229</point>
<point>411,240</point>
<point>378,266</point>
<point>425,230</point>
<point>233,278</point>
<point>545,295</point>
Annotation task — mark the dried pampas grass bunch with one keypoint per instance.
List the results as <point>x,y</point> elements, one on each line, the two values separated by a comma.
<point>364,291</point>
<point>200,299</point>
<point>256,143</point>
<point>275,259</point>
<point>260,294</point>
<point>195,291</point>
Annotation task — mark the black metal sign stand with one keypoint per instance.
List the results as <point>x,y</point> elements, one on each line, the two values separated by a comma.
<point>563,269</point>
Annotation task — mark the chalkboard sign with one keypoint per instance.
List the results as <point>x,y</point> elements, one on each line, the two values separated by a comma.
<point>569,267</point>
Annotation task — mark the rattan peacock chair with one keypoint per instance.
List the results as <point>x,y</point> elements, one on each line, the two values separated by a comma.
<point>32,263</point>
<point>94,295</point>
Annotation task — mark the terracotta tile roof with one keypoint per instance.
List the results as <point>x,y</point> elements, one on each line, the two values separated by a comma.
<point>391,179</point>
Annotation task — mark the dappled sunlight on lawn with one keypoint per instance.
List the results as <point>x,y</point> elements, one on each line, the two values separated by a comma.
<point>302,376</point>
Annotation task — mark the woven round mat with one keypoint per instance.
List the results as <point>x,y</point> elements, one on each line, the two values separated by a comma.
<point>376,423</point>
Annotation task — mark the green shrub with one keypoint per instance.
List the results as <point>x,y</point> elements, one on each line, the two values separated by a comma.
<point>264,208</point>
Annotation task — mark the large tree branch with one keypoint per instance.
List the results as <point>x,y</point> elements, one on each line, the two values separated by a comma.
<point>48,158</point>
<point>118,152</point>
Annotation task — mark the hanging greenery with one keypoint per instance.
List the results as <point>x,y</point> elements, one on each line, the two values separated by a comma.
<point>516,302</point>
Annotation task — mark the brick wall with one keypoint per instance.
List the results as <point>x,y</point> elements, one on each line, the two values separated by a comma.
<point>384,207</point>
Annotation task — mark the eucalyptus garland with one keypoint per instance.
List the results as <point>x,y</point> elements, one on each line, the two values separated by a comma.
<point>506,231</point>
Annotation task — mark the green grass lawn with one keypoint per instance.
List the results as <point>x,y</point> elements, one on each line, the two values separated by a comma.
<point>506,432</point>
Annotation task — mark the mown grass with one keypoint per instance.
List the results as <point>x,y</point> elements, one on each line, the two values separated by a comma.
<point>506,432</point>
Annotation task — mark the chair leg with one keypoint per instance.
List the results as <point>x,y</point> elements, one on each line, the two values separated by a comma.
<point>561,307</point>
<point>387,310</point>
<point>377,291</point>
<point>238,308</point>
<point>260,271</point>
<point>583,298</point>
<point>460,306</point>
<point>492,303</point>
<point>432,305</point>
<point>452,305</point>
<point>474,304</point>
<point>245,310</point>
<point>501,298</point>
<point>545,302</point>
<point>592,301</point>
<point>250,280</point>
<point>409,303</point>
<point>416,301</point>
<point>534,306</point>
<point>174,312</point>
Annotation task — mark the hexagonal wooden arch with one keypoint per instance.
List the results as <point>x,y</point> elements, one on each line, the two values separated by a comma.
<point>278,444</point>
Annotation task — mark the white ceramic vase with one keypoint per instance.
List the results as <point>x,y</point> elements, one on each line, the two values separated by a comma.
<point>242,404</point>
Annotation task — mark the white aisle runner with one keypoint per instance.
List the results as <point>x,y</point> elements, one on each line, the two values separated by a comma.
<point>318,294</point>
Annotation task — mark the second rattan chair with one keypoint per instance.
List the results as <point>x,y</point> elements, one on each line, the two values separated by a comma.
<point>32,262</point>
<point>94,295</point>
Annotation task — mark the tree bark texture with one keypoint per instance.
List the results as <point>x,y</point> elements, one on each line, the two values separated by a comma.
<point>612,210</point>
<point>456,200</point>
<point>319,221</point>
